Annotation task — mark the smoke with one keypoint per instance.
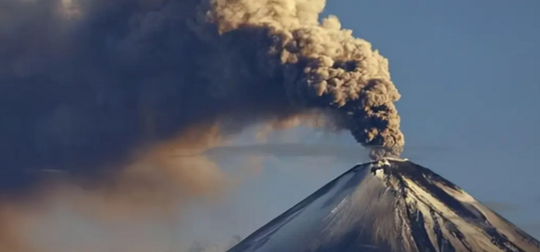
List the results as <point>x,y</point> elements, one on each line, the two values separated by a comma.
<point>100,94</point>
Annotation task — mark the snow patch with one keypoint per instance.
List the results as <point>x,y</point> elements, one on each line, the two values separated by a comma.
<point>389,205</point>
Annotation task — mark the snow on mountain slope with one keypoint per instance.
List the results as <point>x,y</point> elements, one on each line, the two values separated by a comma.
<point>389,205</point>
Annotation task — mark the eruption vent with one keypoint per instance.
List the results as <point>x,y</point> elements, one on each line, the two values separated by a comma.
<point>391,206</point>
<point>106,93</point>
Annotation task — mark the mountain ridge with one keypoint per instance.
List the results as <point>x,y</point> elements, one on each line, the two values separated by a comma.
<point>389,205</point>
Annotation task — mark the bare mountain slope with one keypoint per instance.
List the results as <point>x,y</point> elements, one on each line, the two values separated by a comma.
<point>389,205</point>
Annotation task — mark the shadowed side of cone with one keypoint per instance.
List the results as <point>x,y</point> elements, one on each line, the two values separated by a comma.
<point>389,205</point>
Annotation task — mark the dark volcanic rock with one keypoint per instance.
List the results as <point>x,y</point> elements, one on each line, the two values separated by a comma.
<point>389,205</point>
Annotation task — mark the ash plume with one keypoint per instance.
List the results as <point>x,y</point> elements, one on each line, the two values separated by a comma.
<point>93,88</point>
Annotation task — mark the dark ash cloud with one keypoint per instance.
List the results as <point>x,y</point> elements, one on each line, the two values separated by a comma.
<point>97,89</point>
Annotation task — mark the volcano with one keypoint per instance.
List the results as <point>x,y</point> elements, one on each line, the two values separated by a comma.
<point>389,205</point>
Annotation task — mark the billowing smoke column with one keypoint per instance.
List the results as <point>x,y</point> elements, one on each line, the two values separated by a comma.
<point>319,65</point>
<point>86,86</point>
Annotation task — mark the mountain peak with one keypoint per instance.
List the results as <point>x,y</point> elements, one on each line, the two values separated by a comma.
<point>389,205</point>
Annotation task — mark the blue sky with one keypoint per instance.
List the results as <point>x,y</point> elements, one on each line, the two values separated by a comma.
<point>469,78</point>
<point>468,72</point>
